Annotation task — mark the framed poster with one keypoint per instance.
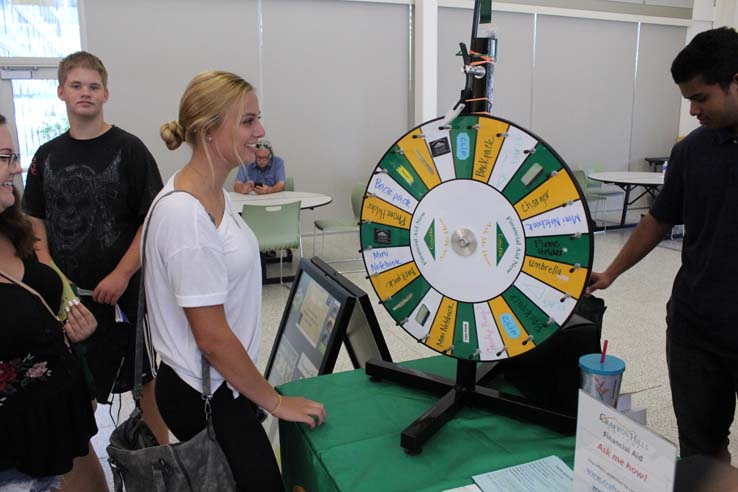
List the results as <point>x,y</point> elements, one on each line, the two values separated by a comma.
<point>312,328</point>
<point>324,310</point>
<point>363,340</point>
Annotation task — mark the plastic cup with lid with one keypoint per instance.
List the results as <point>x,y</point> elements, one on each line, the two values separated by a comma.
<point>602,380</point>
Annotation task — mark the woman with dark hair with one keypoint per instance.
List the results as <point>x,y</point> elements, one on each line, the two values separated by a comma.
<point>46,416</point>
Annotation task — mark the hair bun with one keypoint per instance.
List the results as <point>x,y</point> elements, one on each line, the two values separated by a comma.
<point>173,134</point>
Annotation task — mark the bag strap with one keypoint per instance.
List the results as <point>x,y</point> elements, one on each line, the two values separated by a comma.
<point>143,311</point>
<point>32,291</point>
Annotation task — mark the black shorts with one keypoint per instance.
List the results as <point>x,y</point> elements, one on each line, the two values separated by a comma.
<point>110,351</point>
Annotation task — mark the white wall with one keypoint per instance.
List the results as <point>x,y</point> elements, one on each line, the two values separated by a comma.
<point>656,99</point>
<point>599,91</point>
<point>336,89</point>
<point>153,49</point>
<point>584,113</point>
<point>337,77</point>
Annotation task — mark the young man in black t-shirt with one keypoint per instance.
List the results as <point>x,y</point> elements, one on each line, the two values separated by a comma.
<point>88,192</point>
<point>700,191</point>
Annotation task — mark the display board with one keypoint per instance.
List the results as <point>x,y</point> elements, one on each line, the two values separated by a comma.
<point>312,327</point>
<point>324,310</point>
<point>310,333</point>
<point>476,237</point>
<point>363,339</point>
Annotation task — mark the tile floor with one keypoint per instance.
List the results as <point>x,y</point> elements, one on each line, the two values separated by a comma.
<point>633,324</point>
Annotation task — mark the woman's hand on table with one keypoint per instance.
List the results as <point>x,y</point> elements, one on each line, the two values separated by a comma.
<point>299,409</point>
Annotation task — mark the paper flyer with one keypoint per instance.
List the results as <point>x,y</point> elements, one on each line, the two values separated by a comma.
<point>549,474</point>
<point>465,488</point>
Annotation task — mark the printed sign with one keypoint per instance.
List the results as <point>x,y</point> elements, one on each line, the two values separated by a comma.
<point>616,454</point>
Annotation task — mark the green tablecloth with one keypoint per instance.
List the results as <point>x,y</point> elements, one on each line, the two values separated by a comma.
<point>358,448</point>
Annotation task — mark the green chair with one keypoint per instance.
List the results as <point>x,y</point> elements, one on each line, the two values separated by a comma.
<point>289,185</point>
<point>276,227</point>
<point>343,226</point>
<point>592,198</point>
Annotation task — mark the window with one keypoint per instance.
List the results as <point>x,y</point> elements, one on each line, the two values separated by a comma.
<point>38,28</point>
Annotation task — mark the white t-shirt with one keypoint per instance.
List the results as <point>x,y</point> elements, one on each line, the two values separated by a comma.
<point>190,263</point>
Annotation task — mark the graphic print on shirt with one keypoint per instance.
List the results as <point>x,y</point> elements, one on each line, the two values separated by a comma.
<point>80,207</point>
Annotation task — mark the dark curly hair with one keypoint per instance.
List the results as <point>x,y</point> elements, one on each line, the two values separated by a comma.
<point>15,225</point>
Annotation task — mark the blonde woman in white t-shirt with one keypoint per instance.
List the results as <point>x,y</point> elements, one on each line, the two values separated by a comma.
<point>203,285</point>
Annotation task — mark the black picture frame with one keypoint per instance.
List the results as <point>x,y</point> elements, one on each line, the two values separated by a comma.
<point>361,344</point>
<point>294,354</point>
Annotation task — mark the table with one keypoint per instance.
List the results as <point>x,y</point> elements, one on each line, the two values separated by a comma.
<point>628,181</point>
<point>307,200</point>
<point>358,448</point>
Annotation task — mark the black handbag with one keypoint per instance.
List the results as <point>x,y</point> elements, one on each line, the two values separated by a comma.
<point>138,462</point>
<point>550,374</point>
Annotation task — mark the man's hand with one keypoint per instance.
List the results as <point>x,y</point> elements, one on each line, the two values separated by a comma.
<point>598,281</point>
<point>243,188</point>
<point>263,190</point>
<point>109,290</point>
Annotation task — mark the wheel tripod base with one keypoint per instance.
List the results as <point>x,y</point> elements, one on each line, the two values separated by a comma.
<point>455,395</point>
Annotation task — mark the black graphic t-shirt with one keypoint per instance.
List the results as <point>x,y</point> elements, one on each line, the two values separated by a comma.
<point>93,195</point>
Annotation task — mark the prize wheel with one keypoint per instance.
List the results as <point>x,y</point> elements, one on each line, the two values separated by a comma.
<point>476,237</point>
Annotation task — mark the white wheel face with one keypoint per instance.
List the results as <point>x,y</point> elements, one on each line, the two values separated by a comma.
<point>467,240</point>
<point>476,238</point>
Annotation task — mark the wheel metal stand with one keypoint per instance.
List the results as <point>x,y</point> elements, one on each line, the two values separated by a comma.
<point>476,99</point>
<point>466,390</point>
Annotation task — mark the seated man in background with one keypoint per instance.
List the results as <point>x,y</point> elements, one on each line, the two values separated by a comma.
<point>265,175</point>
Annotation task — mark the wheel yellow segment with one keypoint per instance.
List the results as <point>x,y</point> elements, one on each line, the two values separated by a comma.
<point>417,153</point>
<point>552,193</point>
<point>489,142</point>
<point>557,275</point>
<point>392,281</point>
<point>380,212</point>
<point>511,329</point>
<point>441,335</point>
